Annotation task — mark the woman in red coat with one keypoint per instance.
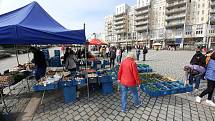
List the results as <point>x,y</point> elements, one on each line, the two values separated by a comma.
<point>129,79</point>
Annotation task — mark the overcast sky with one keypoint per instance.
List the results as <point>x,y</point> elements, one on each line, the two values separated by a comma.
<point>73,13</point>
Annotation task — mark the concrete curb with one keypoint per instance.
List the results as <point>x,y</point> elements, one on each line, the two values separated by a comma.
<point>30,108</point>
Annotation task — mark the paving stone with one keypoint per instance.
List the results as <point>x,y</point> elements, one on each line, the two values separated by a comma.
<point>152,118</point>
<point>77,117</point>
<point>144,116</point>
<point>85,117</point>
<point>119,118</point>
<point>169,119</point>
<point>134,119</point>
<point>92,118</point>
<point>154,114</point>
<point>126,119</point>
<point>160,119</point>
<point>162,116</point>
<point>63,115</point>
<point>69,117</point>
<point>101,119</point>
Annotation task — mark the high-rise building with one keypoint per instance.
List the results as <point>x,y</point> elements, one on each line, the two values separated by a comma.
<point>142,20</point>
<point>176,19</point>
<point>211,33</point>
<point>170,22</point>
<point>158,16</point>
<point>109,29</point>
<point>121,20</point>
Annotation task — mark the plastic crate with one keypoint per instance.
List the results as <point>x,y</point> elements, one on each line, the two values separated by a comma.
<point>107,88</point>
<point>69,94</point>
<point>51,86</point>
<point>105,79</point>
<point>79,82</point>
<point>65,84</point>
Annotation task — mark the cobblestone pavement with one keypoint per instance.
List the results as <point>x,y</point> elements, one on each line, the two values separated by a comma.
<point>107,107</point>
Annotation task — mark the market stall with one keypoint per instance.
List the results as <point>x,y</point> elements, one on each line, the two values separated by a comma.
<point>21,27</point>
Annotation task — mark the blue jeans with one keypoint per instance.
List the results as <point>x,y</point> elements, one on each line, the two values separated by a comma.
<point>138,56</point>
<point>195,79</point>
<point>40,72</point>
<point>118,59</point>
<point>124,91</point>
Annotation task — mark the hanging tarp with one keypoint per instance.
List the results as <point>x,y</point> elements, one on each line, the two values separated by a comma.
<point>31,24</point>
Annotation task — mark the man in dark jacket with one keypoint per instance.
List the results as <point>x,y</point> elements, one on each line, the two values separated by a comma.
<point>40,63</point>
<point>144,53</point>
<point>197,59</point>
<point>112,57</point>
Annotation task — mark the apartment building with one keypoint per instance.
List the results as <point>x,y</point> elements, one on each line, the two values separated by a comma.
<point>176,19</point>
<point>170,22</point>
<point>211,33</point>
<point>142,20</point>
<point>157,20</point>
<point>109,29</point>
<point>197,23</point>
<point>121,22</point>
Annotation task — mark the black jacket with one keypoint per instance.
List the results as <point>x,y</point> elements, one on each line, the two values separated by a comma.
<point>112,54</point>
<point>198,59</point>
<point>39,59</point>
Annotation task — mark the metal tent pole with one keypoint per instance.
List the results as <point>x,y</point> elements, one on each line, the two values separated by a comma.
<point>17,58</point>
<point>88,91</point>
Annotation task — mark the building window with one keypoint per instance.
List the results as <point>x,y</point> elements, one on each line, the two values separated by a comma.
<point>202,18</point>
<point>202,11</point>
<point>198,5</point>
<point>203,5</point>
<point>198,12</point>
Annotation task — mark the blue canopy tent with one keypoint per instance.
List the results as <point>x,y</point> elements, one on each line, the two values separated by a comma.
<point>31,24</point>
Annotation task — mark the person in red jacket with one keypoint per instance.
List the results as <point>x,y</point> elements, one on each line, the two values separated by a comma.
<point>129,79</point>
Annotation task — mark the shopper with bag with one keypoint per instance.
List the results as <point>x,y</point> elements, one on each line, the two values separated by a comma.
<point>129,80</point>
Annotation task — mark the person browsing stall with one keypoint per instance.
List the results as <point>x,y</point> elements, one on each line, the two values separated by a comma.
<point>40,63</point>
<point>129,79</point>
<point>70,63</point>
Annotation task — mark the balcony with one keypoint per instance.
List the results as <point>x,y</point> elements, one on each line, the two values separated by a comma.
<point>175,11</point>
<point>212,11</point>
<point>140,18</point>
<point>175,24</point>
<point>213,4</point>
<point>119,15</point>
<point>170,18</point>
<point>120,31</point>
<point>119,23</point>
<point>141,29</point>
<point>119,27</point>
<point>176,4</point>
<point>142,12</point>
<point>138,8</point>
<point>212,20</point>
<point>119,18</point>
<point>141,23</point>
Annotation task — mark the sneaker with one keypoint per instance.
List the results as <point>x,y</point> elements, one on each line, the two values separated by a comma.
<point>139,104</point>
<point>198,99</point>
<point>210,102</point>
